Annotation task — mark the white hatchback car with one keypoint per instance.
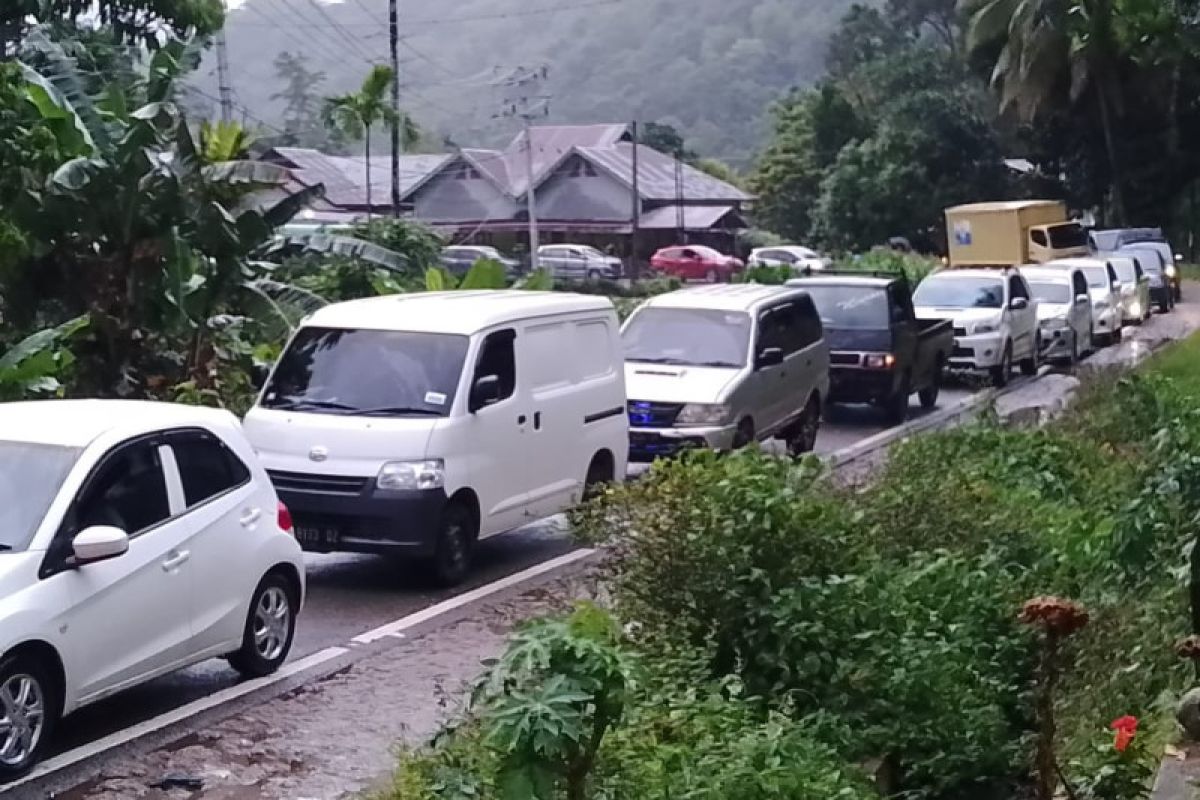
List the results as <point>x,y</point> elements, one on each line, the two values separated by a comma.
<point>135,539</point>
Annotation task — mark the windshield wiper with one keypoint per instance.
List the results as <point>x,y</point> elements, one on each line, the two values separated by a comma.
<point>673,361</point>
<point>289,403</point>
<point>717,364</point>
<point>396,410</point>
<point>5,547</point>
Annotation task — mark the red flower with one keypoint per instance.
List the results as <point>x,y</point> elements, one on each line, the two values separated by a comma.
<point>1126,728</point>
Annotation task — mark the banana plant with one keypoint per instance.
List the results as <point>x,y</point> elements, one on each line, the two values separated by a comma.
<point>36,365</point>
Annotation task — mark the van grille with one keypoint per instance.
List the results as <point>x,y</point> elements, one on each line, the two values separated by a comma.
<point>305,482</point>
<point>643,414</point>
<point>845,359</point>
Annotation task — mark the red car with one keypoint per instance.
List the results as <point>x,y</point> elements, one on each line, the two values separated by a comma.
<point>696,263</point>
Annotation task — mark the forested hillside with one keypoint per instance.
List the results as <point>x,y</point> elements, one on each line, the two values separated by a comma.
<point>712,68</point>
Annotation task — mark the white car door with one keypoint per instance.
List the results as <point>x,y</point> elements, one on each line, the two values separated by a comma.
<point>1022,321</point>
<point>1080,315</point>
<point>130,616</point>
<point>224,508</point>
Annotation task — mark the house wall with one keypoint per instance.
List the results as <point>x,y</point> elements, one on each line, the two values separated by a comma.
<point>447,198</point>
<point>597,197</point>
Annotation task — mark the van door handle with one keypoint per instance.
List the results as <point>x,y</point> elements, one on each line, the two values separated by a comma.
<point>521,419</point>
<point>537,421</point>
<point>176,560</point>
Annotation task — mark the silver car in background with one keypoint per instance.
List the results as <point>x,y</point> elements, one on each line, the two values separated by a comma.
<point>1064,312</point>
<point>1135,287</point>
<point>1107,314</point>
<point>578,262</point>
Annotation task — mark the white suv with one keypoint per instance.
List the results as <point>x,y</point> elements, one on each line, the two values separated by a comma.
<point>995,318</point>
<point>135,539</point>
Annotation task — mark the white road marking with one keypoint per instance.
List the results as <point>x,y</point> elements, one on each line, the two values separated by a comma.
<point>412,620</point>
<point>92,749</point>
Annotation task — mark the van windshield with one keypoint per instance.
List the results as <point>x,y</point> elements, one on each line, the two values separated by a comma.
<point>694,337</point>
<point>850,306</point>
<point>1126,272</point>
<point>950,291</point>
<point>26,493</point>
<point>368,373</point>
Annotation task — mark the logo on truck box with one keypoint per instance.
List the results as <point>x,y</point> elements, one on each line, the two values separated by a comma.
<point>962,232</point>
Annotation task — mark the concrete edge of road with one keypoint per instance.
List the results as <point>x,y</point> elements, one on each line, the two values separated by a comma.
<point>170,725</point>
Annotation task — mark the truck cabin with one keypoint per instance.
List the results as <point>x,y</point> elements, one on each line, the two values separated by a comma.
<point>1061,240</point>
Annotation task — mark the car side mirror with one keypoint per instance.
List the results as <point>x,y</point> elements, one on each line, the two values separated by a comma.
<point>1018,304</point>
<point>98,543</point>
<point>485,392</point>
<point>1080,299</point>
<point>1179,258</point>
<point>769,357</point>
<point>258,376</point>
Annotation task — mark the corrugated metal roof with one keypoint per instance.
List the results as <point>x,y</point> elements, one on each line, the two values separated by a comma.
<point>345,176</point>
<point>656,175</point>
<point>695,218</point>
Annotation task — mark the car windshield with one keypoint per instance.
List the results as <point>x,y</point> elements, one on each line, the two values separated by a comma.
<point>706,252</point>
<point>1051,292</point>
<point>1149,260</point>
<point>850,306</point>
<point>1097,277</point>
<point>368,372</point>
<point>688,337</point>
<point>1124,269</point>
<point>26,493</point>
<point>591,251</point>
<point>949,291</point>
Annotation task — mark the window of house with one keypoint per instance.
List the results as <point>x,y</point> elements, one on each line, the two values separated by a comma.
<point>465,172</point>
<point>206,466</point>
<point>498,357</point>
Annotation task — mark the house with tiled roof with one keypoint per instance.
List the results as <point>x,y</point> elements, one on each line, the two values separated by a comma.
<point>583,187</point>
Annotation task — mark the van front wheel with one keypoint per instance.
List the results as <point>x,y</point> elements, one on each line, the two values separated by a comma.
<point>456,539</point>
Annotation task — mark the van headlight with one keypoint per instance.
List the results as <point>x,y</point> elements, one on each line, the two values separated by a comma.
<point>1171,271</point>
<point>703,414</point>
<point>1101,305</point>
<point>407,476</point>
<point>984,327</point>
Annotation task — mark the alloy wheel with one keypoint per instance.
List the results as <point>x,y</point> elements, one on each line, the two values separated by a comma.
<point>272,618</point>
<point>23,705</point>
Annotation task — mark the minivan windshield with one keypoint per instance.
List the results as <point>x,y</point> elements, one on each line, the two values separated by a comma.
<point>368,373</point>
<point>28,489</point>
<point>949,291</point>
<point>1097,277</point>
<point>850,306</point>
<point>696,337</point>
<point>1048,292</point>
<point>1124,267</point>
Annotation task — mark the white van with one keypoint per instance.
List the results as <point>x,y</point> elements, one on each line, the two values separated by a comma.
<point>722,366</point>
<point>416,424</point>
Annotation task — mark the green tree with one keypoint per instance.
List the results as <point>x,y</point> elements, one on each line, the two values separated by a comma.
<point>864,35</point>
<point>664,138</point>
<point>1056,51</point>
<point>130,20</point>
<point>301,101</point>
<point>355,113</point>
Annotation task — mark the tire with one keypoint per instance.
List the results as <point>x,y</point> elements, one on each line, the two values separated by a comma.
<point>896,406</point>
<point>1029,366</point>
<point>1073,358</point>
<point>711,276</point>
<point>599,475</point>
<point>270,628</point>
<point>745,434</point>
<point>1117,335</point>
<point>593,275</point>
<point>929,395</point>
<point>1003,371</point>
<point>451,562</point>
<point>25,681</point>
<point>803,438</point>
<point>1178,294</point>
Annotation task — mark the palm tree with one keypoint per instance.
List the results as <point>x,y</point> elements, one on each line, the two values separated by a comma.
<point>355,113</point>
<point>1046,45</point>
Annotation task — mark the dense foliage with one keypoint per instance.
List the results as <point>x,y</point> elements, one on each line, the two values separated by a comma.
<point>875,631</point>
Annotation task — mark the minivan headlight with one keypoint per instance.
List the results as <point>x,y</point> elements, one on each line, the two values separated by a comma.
<point>703,414</point>
<point>985,327</point>
<point>1171,271</point>
<point>402,476</point>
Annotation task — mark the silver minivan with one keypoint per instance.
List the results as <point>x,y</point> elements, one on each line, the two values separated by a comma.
<point>1135,288</point>
<point>1064,312</point>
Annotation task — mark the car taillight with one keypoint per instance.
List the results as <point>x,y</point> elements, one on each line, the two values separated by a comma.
<point>285,518</point>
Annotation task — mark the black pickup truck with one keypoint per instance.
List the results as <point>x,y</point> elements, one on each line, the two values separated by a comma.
<point>879,352</point>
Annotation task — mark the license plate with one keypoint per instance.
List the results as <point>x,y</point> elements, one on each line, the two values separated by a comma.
<point>318,537</point>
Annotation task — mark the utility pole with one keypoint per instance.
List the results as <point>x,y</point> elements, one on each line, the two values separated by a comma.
<point>634,264</point>
<point>680,219</point>
<point>397,145</point>
<point>224,89</point>
<point>524,102</point>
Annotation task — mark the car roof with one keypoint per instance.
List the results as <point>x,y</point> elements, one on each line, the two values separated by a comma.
<point>873,281</point>
<point>454,312</point>
<point>723,297</point>
<point>77,423</point>
<point>1056,274</point>
<point>998,274</point>
<point>1082,263</point>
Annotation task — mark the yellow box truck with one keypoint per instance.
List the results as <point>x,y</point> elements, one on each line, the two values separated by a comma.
<point>1012,232</point>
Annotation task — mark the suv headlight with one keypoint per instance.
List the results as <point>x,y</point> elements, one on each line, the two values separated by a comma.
<point>703,414</point>
<point>403,476</point>
<point>1171,271</point>
<point>1101,305</point>
<point>984,327</point>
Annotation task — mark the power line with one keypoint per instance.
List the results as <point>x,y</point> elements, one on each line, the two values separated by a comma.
<point>333,23</point>
<point>335,55</point>
<point>452,20</point>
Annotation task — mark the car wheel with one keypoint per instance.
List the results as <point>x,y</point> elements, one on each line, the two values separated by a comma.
<point>929,395</point>
<point>599,475</point>
<point>1073,358</point>
<point>28,713</point>
<point>1002,371</point>
<point>593,275</point>
<point>1178,294</point>
<point>456,540</point>
<point>804,435</point>
<point>1029,366</point>
<point>745,434</point>
<point>270,628</point>
<point>896,406</point>
<point>711,276</point>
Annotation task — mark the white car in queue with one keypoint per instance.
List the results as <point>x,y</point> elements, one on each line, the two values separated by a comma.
<point>135,539</point>
<point>1108,315</point>
<point>1064,312</point>
<point>1136,306</point>
<point>994,315</point>
<point>414,425</point>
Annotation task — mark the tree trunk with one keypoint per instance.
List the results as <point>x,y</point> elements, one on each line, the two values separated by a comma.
<point>1110,146</point>
<point>367,161</point>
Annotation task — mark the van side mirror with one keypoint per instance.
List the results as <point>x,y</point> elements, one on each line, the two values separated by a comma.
<point>98,543</point>
<point>1080,299</point>
<point>768,357</point>
<point>485,392</point>
<point>1018,304</point>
